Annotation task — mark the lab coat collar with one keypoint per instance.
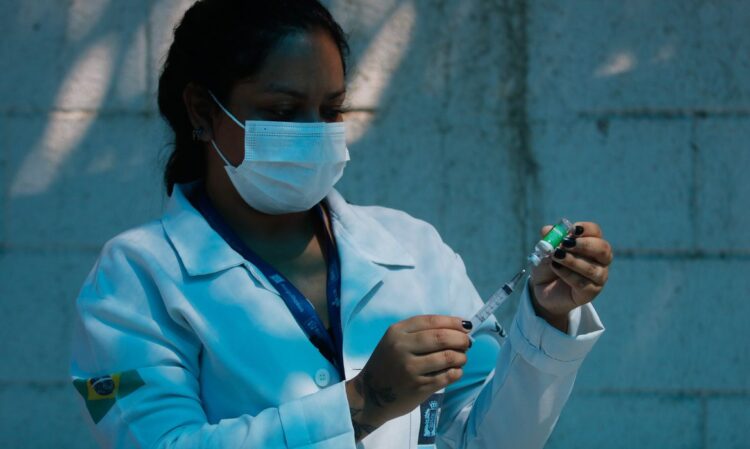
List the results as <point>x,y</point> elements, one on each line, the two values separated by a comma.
<point>369,237</point>
<point>203,251</point>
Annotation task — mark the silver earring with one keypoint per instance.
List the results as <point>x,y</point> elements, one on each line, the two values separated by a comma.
<point>197,133</point>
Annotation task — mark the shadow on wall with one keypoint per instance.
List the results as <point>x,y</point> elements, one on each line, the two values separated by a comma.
<point>433,87</point>
<point>437,93</point>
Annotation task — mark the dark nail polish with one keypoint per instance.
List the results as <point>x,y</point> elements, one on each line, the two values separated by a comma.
<point>470,343</point>
<point>467,325</point>
<point>569,242</point>
<point>556,265</point>
<point>579,230</point>
<point>560,253</point>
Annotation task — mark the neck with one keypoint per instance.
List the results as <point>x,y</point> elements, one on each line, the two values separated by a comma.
<point>273,237</point>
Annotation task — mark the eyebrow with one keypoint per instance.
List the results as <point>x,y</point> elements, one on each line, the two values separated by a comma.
<point>275,88</point>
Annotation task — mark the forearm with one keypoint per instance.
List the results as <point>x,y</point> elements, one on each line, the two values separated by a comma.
<point>362,420</point>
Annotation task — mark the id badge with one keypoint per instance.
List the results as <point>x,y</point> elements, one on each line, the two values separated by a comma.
<point>428,423</point>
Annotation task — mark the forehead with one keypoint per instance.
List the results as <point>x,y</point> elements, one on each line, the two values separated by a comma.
<point>308,62</point>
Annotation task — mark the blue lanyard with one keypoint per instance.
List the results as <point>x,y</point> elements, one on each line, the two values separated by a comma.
<point>330,346</point>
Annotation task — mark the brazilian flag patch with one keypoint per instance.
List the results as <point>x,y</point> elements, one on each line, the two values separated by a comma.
<point>101,393</point>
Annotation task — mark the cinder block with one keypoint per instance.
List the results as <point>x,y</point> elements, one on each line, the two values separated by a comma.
<point>728,419</point>
<point>588,55</point>
<point>723,191</point>
<point>41,416</point>
<point>438,60</point>
<point>73,55</point>
<point>37,311</point>
<point>633,177</point>
<point>614,422</point>
<point>77,179</point>
<point>479,204</point>
<point>672,325</point>
<point>3,179</point>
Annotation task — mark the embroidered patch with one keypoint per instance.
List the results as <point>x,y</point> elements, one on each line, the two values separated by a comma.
<point>430,415</point>
<point>101,393</point>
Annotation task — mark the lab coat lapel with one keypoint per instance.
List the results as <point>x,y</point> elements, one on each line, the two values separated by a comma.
<point>367,250</point>
<point>201,250</point>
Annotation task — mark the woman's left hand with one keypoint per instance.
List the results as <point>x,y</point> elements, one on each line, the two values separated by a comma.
<point>573,276</point>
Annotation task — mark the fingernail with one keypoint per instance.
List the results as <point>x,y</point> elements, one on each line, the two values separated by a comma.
<point>471,342</point>
<point>556,265</point>
<point>560,253</point>
<point>467,325</point>
<point>569,242</point>
<point>579,230</point>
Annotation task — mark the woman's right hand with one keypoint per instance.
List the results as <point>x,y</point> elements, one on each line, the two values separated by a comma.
<point>415,358</point>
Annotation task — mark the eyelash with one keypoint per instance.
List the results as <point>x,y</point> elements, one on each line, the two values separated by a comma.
<point>285,114</point>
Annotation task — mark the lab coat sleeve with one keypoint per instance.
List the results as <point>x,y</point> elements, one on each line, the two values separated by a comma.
<point>123,327</point>
<point>511,395</point>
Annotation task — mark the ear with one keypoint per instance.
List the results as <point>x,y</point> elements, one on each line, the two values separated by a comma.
<point>200,109</point>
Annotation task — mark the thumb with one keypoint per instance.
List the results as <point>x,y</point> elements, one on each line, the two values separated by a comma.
<point>545,229</point>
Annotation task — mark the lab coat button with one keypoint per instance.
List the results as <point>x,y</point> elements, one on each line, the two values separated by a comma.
<point>322,378</point>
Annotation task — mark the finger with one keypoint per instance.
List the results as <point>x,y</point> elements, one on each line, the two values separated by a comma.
<point>424,322</point>
<point>586,229</point>
<point>587,268</point>
<point>444,378</point>
<point>582,285</point>
<point>545,230</point>
<point>433,340</point>
<point>591,247</point>
<point>438,361</point>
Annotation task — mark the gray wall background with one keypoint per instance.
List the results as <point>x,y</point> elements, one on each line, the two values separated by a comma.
<point>487,119</point>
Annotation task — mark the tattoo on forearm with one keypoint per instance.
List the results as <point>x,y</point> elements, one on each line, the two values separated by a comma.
<point>361,430</point>
<point>370,395</point>
<point>377,396</point>
<point>358,387</point>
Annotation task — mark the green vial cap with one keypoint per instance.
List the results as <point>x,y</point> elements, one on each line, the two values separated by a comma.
<point>558,232</point>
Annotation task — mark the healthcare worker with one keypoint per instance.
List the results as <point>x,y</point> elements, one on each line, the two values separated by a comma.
<point>264,311</point>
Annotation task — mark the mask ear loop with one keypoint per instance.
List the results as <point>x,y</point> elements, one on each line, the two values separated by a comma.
<point>226,111</point>
<point>234,119</point>
<point>226,162</point>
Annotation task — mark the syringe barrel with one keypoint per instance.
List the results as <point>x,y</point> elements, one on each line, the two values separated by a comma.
<point>476,321</point>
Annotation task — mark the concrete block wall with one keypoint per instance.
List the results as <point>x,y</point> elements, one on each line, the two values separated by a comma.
<point>487,118</point>
<point>638,113</point>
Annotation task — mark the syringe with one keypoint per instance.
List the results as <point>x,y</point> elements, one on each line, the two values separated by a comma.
<point>496,300</point>
<point>543,248</point>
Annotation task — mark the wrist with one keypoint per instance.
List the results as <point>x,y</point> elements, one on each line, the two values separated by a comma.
<point>364,419</point>
<point>557,320</point>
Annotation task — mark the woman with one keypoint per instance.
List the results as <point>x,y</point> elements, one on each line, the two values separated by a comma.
<point>262,310</point>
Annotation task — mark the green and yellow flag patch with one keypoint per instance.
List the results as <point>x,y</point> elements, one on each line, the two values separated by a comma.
<point>101,393</point>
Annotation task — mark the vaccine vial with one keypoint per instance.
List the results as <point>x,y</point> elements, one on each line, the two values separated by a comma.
<point>550,241</point>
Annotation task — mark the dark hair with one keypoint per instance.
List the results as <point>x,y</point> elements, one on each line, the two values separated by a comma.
<point>217,43</point>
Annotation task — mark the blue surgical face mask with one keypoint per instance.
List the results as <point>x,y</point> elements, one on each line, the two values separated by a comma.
<point>288,166</point>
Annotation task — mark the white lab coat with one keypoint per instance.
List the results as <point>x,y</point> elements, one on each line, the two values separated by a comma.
<point>225,365</point>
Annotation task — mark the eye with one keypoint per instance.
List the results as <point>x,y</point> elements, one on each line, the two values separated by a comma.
<point>332,113</point>
<point>279,114</point>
